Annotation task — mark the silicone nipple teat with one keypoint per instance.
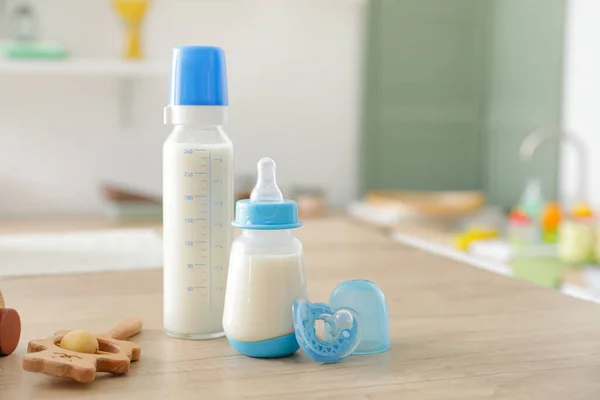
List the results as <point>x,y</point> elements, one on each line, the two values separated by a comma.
<point>266,187</point>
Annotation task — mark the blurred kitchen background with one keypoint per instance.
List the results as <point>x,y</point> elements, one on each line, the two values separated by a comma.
<point>418,117</point>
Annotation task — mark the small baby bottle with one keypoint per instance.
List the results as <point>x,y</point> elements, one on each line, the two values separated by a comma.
<point>266,273</point>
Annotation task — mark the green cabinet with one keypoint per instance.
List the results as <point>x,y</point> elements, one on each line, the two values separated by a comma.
<point>453,87</point>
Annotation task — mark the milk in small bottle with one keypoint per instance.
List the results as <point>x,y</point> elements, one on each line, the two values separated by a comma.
<point>266,273</point>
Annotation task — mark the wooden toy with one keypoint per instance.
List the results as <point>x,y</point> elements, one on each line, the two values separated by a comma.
<point>114,356</point>
<point>10,329</point>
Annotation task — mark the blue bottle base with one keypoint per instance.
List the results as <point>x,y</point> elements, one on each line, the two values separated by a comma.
<point>273,348</point>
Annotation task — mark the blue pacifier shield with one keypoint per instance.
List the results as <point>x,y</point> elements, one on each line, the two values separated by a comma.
<point>341,333</point>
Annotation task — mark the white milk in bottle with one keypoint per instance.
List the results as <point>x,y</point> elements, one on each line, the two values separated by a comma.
<point>197,195</point>
<point>266,273</point>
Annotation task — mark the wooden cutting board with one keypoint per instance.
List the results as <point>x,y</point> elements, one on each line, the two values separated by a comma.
<point>429,204</point>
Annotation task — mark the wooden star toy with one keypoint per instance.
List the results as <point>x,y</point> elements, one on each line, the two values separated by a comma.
<point>114,354</point>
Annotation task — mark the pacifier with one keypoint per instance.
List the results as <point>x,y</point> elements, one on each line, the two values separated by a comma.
<point>341,334</point>
<point>355,321</point>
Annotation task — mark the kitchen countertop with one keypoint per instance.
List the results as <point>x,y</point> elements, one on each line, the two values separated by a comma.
<point>457,332</point>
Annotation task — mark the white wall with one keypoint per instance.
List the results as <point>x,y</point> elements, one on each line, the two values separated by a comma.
<point>295,77</point>
<point>581,108</point>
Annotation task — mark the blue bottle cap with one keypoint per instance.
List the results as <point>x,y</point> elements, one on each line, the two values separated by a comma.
<point>367,299</point>
<point>198,77</point>
<point>266,209</point>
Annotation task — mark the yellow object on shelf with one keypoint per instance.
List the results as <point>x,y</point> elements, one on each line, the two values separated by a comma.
<point>463,240</point>
<point>132,12</point>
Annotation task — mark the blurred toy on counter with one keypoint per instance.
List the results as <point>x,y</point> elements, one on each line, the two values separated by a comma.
<point>132,12</point>
<point>464,239</point>
<point>551,218</point>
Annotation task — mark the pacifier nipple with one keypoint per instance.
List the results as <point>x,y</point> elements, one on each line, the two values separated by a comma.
<point>266,187</point>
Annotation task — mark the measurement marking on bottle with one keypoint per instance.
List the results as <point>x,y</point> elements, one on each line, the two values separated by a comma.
<point>201,265</point>
<point>200,241</point>
<point>220,225</point>
<point>199,287</point>
<point>199,219</point>
<point>218,267</point>
<point>218,181</point>
<point>219,160</point>
<point>200,173</point>
<point>200,151</point>
<point>200,197</point>
<point>218,203</point>
<point>219,246</point>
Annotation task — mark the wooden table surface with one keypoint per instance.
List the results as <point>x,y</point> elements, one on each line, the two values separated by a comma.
<point>457,332</point>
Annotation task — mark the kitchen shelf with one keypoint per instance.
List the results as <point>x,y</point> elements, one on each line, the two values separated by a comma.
<point>86,67</point>
<point>124,71</point>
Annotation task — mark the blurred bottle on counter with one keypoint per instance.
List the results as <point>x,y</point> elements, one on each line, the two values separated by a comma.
<point>551,219</point>
<point>576,239</point>
<point>532,202</point>
<point>521,230</point>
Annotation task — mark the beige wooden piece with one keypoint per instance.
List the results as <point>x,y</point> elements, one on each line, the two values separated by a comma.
<point>457,332</point>
<point>1,300</point>
<point>114,354</point>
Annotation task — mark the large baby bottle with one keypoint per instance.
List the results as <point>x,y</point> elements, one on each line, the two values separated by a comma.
<point>197,195</point>
<point>266,273</point>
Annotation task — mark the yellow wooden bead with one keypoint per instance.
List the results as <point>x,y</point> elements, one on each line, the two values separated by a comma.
<point>80,341</point>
